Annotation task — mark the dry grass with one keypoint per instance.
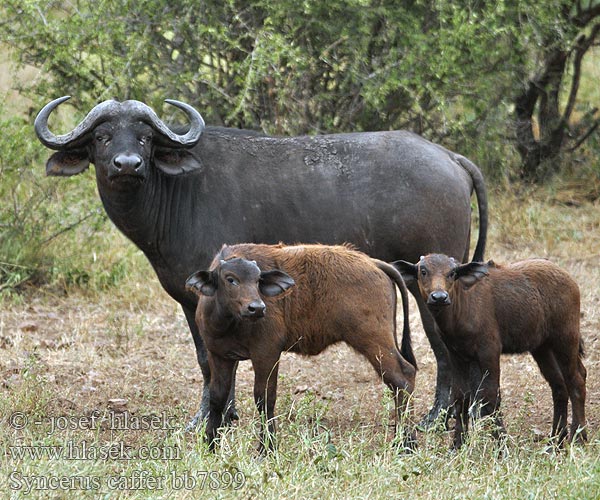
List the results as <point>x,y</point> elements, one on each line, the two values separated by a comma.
<point>75,354</point>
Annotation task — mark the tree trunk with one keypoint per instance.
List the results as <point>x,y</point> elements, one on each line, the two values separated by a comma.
<point>541,99</point>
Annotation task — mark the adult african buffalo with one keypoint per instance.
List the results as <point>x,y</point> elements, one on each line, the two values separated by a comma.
<point>179,197</point>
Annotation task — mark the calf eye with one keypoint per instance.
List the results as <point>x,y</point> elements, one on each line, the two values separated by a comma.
<point>231,281</point>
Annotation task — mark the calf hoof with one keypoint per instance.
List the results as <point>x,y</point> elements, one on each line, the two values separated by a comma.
<point>409,444</point>
<point>264,450</point>
<point>267,444</point>
<point>579,435</point>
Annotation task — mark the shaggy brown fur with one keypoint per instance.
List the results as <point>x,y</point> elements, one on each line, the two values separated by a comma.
<point>337,295</point>
<point>484,310</point>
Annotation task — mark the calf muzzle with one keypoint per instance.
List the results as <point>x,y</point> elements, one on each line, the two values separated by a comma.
<point>255,310</point>
<point>439,298</point>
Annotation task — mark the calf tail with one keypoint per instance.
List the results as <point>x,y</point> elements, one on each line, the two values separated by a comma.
<point>406,347</point>
<point>480,192</point>
<point>581,349</point>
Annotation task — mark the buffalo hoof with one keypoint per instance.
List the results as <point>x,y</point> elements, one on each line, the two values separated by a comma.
<point>408,444</point>
<point>231,415</point>
<point>439,413</point>
<point>192,425</point>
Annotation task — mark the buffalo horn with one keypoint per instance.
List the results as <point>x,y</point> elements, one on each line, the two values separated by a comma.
<point>103,111</point>
<point>68,140</point>
<point>187,140</point>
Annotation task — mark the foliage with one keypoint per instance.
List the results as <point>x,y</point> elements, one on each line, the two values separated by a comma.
<point>550,97</point>
<point>449,70</point>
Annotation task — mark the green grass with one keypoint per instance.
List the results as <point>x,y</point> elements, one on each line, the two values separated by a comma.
<point>310,461</point>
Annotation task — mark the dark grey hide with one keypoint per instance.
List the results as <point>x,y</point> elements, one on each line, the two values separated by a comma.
<point>394,195</point>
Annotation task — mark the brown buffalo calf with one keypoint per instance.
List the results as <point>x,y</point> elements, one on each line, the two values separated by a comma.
<point>257,301</point>
<point>483,310</point>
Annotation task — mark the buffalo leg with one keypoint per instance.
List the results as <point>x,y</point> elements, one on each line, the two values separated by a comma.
<point>202,356</point>
<point>444,374</point>
<point>265,395</point>
<point>222,371</point>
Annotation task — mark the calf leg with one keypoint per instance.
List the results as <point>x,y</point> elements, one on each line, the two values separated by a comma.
<point>462,402</point>
<point>579,403</point>
<point>202,356</point>
<point>399,375</point>
<point>222,371</point>
<point>444,374</point>
<point>574,374</point>
<point>460,395</point>
<point>265,395</point>
<point>551,371</point>
<point>485,388</point>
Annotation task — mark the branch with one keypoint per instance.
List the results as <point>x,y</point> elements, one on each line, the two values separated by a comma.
<point>71,226</point>
<point>582,45</point>
<point>583,138</point>
<point>583,17</point>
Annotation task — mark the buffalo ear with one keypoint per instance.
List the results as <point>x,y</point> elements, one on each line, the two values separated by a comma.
<point>67,163</point>
<point>471,273</point>
<point>175,161</point>
<point>202,283</point>
<point>407,270</point>
<point>275,282</point>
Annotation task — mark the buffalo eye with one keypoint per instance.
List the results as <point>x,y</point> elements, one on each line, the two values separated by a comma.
<point>452,274</point>
<point>232,281</point>
<point>423,271</point>
<point>145,139</point>
<point>102,139</point>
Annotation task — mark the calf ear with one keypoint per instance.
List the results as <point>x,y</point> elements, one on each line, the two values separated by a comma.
<point>407,270</point>
<point>202,283</point>
<point>471,273</point>
<point>67,163</point>
<point>273,283</point>
<point>175,161</point>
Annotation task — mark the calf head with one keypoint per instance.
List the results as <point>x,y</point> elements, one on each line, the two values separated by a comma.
<point>238,286</point>
<point>437,276</point>
<point>123,140</point>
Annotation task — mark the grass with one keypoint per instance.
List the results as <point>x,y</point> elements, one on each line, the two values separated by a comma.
<point>359,464</point>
